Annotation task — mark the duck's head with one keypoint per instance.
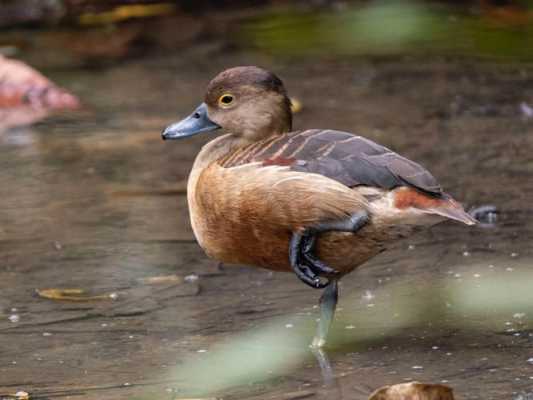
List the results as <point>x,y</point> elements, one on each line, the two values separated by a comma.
<point>247,102</point>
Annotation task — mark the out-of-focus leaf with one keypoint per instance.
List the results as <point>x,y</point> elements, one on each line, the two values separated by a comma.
<point>296,105</point>
<point>127,12</point>
<point>413,391</point>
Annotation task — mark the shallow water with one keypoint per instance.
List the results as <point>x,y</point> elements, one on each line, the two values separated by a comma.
<point>95,200</point>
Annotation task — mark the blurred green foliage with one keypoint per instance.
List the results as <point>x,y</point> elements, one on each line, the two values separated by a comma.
<point>394,28</point>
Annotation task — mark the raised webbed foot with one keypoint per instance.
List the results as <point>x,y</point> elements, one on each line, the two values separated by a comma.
<point>303,261</point>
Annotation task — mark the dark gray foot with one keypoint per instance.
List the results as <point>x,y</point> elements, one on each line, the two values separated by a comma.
<point>486,214</point>
<point>301,250</point>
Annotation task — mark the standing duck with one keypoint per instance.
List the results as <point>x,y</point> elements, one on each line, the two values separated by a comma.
<point>316,202</point>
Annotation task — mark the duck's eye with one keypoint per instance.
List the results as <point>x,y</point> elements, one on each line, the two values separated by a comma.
<point>225,100</point>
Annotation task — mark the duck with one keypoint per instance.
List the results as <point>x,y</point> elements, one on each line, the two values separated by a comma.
<point>317,203</point>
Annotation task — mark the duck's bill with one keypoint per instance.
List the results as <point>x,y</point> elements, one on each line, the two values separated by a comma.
<point>195,123</point>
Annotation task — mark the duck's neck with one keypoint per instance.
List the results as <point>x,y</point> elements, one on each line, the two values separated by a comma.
<point>210,152</point>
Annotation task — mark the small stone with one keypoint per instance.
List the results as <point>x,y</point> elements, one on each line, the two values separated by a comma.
<point>202,351</point>
<point>477,276</point>
<point>47,334</point>
<point>113,296</point>
<point>289,326</point>
<point>22,395</point>
<point>417,367</point>
<point>530,360</point>
<point>14,318</point>
<point>368,295</point>
<point>466,253</point>
<point>349,327</point>
<point>191,278</point>
<point>509,269</point>
<point>519,315</point>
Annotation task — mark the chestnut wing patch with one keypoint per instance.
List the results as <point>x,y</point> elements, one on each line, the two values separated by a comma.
<point>348,159</point>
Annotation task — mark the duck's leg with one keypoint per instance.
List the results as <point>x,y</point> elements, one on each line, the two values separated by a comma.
<point>301,249</point>
<point>328,304</point>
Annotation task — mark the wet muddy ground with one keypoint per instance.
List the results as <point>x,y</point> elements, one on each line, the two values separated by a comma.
<point>96,201</point>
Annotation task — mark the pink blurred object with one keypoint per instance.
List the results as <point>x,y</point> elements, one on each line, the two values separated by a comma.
<point>22,86</point>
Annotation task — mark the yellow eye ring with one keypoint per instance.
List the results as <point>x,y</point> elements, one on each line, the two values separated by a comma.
<point>225,100</point>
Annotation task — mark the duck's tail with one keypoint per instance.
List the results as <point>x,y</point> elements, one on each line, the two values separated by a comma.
<point>443,205</point>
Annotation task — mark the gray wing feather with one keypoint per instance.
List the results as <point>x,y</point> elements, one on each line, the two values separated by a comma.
<point>358,161</point>
<point>351,160</point>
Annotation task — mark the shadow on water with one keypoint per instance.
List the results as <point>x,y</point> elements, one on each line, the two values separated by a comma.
<point>96,201</point>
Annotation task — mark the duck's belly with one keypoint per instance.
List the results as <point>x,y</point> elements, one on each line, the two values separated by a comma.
<point>269,248</point>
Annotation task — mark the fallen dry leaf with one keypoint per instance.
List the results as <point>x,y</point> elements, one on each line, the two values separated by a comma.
<point>156,280</point>
<point>72,295</point>
<point>413,391</point>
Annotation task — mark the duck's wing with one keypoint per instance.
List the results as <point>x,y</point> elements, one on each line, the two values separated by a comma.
<point>354,161</point>
<point>348,159</point>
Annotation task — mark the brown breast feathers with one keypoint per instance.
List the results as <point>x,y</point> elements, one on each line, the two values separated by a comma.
<point>348,159</point>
